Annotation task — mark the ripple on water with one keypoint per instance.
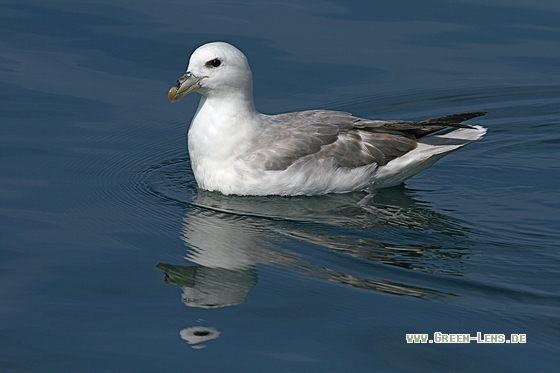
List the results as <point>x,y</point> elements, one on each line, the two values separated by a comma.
<point>112,164</point>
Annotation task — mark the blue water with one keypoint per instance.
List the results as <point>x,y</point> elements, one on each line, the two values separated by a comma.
<point>111,259</point>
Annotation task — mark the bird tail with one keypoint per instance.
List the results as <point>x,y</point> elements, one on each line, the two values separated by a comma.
<point>429,126</point>
<point>430,149</point>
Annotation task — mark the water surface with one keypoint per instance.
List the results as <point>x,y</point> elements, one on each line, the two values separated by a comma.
<point>113,260</point>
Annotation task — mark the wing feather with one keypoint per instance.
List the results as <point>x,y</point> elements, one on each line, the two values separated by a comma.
<point>344,140</point>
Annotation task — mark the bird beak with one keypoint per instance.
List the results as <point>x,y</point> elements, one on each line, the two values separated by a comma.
<point>186,84</point>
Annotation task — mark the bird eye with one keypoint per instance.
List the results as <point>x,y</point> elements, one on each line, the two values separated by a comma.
<point>214,63</point>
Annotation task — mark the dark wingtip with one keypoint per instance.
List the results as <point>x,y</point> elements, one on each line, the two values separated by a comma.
<point>454,119</point>
<point>472,115</point>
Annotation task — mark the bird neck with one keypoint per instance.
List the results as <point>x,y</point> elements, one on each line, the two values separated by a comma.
<point>220,127</point>
<point>238,104</point>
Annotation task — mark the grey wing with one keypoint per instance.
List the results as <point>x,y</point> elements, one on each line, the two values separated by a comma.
<point>322,135</point>
<point>340,138</point>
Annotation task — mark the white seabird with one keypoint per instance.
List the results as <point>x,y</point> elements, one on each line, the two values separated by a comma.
<point>234,149</point>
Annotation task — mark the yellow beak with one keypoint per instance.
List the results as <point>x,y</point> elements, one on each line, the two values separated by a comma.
<point>186,84</point>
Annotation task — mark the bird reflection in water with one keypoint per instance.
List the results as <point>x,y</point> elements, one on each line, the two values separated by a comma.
<point>227,237</point>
